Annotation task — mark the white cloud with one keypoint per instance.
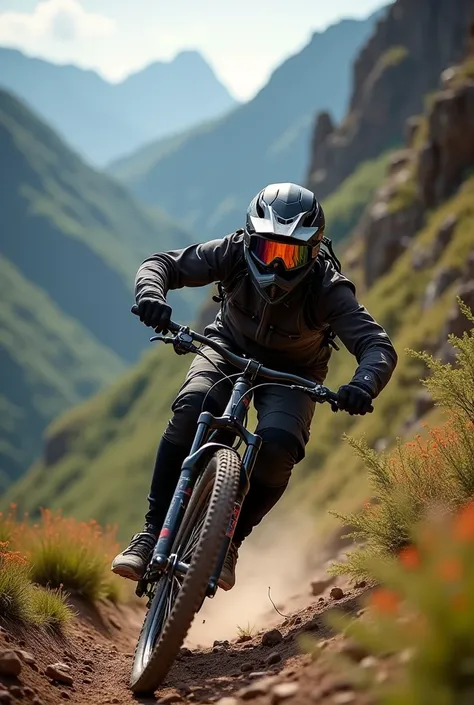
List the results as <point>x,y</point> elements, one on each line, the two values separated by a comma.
<point>57,20</point>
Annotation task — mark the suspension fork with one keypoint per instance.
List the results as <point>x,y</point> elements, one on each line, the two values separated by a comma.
<point>187,478</point>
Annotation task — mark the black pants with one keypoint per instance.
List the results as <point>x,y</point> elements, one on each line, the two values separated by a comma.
<point>284,419</point>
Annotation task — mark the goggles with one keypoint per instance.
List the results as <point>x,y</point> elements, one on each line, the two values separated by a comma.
<point>292,256</point>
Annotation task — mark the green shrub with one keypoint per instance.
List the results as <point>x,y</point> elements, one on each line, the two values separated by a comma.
<point>424,473</point>
<point>425,610</point>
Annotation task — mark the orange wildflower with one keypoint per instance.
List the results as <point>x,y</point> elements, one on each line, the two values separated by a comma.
<point>385,601</point>
<point>463,525</point>
<point>450,570</point>
<point>410,558</point>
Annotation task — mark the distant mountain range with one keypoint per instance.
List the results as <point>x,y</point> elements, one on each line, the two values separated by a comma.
<point>71,241</point>
<point>205,178</point>
<point>421,264</point>
<point>103,121</point>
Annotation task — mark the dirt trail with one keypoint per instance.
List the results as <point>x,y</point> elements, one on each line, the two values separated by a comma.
<point>98,651</point>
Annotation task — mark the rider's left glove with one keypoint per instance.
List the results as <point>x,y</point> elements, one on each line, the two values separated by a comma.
<point>354,400</point>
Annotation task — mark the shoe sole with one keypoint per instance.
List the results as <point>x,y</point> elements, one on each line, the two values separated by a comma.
<point>126,572</point>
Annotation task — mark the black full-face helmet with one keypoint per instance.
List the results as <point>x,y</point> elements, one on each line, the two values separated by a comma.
<point>283,233</point>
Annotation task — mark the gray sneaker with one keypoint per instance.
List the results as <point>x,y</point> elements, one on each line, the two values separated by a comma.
<point>227,578</point>
<point>132,562</point>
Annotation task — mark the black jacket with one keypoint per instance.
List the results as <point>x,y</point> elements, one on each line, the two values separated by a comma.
<point>290,336</point>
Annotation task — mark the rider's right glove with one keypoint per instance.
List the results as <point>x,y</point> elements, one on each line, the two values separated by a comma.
<point>154,313</point>
<point>354,400</point>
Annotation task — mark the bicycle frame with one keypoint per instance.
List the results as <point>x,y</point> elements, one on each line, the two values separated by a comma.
<point>233,421</point>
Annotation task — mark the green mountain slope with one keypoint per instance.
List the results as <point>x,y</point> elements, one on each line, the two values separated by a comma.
<point>73,231</point>
<point>345,206</point>
<point>106,446</point>
<point>98,457</point>
<point>207,179</point>
<point>102,120</point>
<point>49,362</point>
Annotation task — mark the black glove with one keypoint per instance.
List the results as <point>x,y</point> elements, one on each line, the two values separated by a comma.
<point>154,313</point>
<point>354,400</point>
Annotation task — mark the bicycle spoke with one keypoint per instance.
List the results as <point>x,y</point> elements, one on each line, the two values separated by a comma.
<point>193,540</point>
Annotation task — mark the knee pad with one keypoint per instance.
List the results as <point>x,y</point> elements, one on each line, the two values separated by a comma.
<point>279,453</point>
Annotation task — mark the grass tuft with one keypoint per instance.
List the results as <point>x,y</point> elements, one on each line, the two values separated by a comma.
<point>50,607</point>
<point>14,585</point>
<point>73,555</point>
<point>246,632</point>
<point>41,564</point>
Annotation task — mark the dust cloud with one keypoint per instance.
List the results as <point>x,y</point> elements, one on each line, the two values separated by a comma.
<point>281,556</point>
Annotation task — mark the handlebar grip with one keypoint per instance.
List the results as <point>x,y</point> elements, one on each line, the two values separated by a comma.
<point>332,396</point>
<point>173,327</point>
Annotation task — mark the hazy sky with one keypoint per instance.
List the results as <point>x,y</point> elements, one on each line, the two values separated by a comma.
<point>243,40</point>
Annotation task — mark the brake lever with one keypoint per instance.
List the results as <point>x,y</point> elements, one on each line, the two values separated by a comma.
<point>319,396</point>
<point>163,338</point>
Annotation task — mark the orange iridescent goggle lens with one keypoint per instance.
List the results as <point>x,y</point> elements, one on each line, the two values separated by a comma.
<point>292,256</point>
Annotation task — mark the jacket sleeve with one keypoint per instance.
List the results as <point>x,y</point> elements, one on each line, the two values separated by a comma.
<point>196,265</point>
<point>362,336</point>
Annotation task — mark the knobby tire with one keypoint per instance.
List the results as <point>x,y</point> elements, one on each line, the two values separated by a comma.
<point>212,504</point>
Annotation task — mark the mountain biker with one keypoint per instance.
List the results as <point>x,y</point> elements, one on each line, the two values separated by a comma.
<point>283,301</point>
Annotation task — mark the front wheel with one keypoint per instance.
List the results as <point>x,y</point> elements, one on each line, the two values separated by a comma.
<point>176,600</point>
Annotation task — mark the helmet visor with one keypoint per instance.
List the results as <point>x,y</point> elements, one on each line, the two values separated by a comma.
<point>292,256</point>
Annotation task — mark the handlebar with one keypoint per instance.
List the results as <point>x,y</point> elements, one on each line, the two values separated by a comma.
<point>187,337</point>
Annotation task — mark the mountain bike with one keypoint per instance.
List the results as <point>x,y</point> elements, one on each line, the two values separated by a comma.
<point>214,480</point>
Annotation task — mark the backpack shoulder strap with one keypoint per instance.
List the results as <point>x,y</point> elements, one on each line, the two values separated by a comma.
<point>328,253</point>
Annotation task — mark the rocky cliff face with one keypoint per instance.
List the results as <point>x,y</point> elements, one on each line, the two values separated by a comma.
<point>438,156</point>
<point>399,65</point>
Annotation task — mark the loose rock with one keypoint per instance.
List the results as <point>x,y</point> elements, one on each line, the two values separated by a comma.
<point>25,656</point>
<point>228,701</point>
<point>58,672</point>
<point>10,664</point>
<point>360,584</point>
<point>344,698</point>
<point>5,697</point>
<point>369,662</point>
<point>87,681</point>
<point>337,593</point>
<point>272,638</point>
<point>273,658</point>
<point>170,698</point>
<point>283,691</point>
<point>29,692</point>
<point>258,674</point>
<point>184,652</point>
<point>65,695</point>
<point>311,626</point>
<point>246,667</point>
<point>256,689</point>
